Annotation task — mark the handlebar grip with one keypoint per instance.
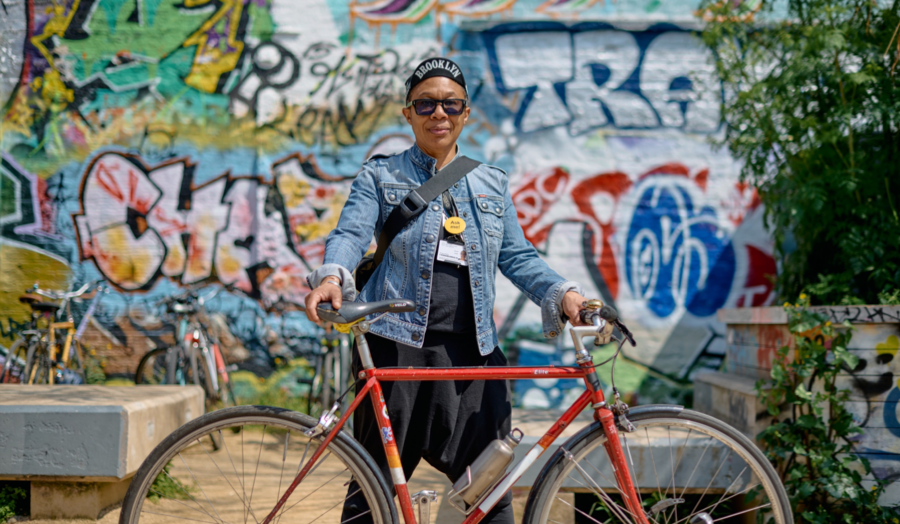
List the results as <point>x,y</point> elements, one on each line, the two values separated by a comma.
<point>609,314</point>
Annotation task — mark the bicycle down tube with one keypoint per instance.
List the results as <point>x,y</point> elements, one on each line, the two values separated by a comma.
<point>592,396</point>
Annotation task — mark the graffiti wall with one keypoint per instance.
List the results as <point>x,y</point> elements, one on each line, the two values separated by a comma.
<point>167,144</point>
<point>873,385</point>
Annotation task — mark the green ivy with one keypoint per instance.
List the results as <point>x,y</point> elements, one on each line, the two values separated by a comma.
<point>810,442</point>
<point>13,500</point>
<point>812,111</point>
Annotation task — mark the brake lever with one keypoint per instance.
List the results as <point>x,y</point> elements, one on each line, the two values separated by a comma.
<point>624,330</point>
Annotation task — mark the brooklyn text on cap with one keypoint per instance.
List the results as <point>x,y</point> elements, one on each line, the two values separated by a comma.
<point>435,67</point>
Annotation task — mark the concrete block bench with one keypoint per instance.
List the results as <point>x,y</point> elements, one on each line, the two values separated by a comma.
<point>79,446</point>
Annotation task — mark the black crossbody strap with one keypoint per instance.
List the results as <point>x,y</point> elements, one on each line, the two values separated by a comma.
<point>417,200</point>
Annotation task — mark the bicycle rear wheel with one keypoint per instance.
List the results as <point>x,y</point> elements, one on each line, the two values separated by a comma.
<point>183,479</point>
<point>683,464</point>
<point>38,365</point>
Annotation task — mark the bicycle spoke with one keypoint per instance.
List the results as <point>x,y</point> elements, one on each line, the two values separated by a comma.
<point>234,468</point>
<point>712,507</point>
<point>579,511</point>
<point>336,505</point>
<point>224,476</point>
<point>619,510</point>
<point>180,518</point>
<point>769,505</point>
<point>317,489</point>
<point>713,479</point>
<point>699,461</point>
<point>256,470</point>
<point>201,488</point>
<point>368,511</point>
<point>188,493</point>
<point>200,510</point>
<point>637,487</point>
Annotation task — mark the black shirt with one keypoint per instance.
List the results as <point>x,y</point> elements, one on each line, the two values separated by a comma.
<point>451,308</point>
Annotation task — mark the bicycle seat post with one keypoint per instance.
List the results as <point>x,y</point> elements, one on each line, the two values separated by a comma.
<point>365,355</point>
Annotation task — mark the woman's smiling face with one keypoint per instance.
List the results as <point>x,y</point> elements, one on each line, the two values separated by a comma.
<point>436,133</point>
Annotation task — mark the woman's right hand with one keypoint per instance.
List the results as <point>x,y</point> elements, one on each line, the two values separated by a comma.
<point>326,292</point>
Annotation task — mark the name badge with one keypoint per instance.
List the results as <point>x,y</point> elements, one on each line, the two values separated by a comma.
<point>452,252</point>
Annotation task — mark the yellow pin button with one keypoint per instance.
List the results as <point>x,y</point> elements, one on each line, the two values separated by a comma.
<point>455,225</point>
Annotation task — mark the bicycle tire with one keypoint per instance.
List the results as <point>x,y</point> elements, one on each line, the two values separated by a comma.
<point>38,364</point>
<point>172,459</point>
<point>551,492</point>
<point>151,370</point>
<point>15,363</point>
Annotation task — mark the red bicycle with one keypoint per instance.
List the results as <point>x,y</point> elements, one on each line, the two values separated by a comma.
<point>655,464</point>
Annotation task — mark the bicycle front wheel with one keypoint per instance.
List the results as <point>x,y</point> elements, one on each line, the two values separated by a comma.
<point>14,365</point>
<point>184,479</point>
<point>686,466</point>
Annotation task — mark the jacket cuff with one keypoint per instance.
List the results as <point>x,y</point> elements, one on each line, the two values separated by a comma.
<point>348,285</point>
<point>551,307</point>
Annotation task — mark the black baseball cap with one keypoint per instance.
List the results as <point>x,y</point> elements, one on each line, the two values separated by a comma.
<point>435,67</point>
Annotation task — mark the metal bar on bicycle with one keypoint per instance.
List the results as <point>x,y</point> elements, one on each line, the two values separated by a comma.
<point>474,373</point>
<point>328,438</point>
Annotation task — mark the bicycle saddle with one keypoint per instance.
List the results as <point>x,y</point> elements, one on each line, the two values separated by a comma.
<point>37,302</point>
<point>352,311</point>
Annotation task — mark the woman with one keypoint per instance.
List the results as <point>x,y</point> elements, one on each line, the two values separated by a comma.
<point>450,277</point>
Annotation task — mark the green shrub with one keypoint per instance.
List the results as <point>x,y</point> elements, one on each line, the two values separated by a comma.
<point>813,114</point>
<point>810,441</point>
<point>166,487</point>
<point>13,500</point>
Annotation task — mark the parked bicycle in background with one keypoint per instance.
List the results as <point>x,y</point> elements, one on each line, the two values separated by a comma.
<point>327,358</point>
<point>196,358</point>
<point>51,352</point>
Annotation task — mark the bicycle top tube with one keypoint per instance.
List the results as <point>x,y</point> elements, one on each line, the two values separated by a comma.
<point>397,374</point>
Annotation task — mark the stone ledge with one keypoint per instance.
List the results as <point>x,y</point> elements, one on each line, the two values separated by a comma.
<point>78,446</point>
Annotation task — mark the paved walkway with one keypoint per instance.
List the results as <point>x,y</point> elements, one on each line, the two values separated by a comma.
<point>532,423</point>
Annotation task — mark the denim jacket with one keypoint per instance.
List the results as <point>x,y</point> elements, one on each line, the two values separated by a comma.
<point>493,239</point>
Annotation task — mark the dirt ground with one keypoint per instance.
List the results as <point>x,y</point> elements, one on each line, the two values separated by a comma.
<point>532,423</point>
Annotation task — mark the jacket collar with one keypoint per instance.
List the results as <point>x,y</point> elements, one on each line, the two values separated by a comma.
<point>423,160</point>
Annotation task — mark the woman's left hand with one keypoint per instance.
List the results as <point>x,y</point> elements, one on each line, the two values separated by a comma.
<point>572,305</point>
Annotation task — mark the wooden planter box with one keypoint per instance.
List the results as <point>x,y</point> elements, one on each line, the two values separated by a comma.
<point>753,335</point>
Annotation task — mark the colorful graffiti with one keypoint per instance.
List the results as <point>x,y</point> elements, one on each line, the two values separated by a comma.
<point>167,144</point>
<point>138,224</point>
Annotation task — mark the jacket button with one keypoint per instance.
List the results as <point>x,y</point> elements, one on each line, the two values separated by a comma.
<point>415,336</point>
<point>429,238</point>
<point>425,275</point>
<point>435,208</point>
<point>476,283</point>
<point>392,197</point>
<point>465,214</point>
<point>482,344</point>
<point>484,205</point>
<point>497,209</point>
<point>479,319</point>
<point>474,247</point>
<point>422,311</point>
<point>456,184</point>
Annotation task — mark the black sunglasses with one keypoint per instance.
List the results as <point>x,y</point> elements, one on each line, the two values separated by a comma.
<point>427,106</point>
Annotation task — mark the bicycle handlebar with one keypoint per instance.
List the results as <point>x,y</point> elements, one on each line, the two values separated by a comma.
<point>609,314</point>
<point>61,295</point>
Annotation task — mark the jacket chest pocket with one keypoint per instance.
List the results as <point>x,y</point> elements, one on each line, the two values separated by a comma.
<point>490,211</point>
<point>391,198</point>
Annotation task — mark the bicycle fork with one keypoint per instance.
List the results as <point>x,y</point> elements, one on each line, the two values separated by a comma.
<point>605,415</point>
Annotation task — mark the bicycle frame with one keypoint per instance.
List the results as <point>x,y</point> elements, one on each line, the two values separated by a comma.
<point>592,396</point>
